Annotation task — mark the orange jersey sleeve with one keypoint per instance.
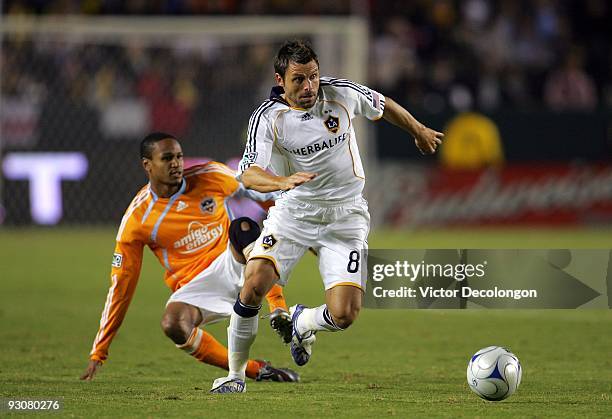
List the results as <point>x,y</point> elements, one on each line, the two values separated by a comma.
<point>126,264</point>
<point>223,176</point>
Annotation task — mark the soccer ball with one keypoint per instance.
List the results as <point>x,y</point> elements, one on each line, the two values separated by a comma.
<point>494,373</point>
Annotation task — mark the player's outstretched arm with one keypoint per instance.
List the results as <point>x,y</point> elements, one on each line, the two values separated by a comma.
<point>258,179</point>
<point>127,261</point>
<point>426,139</point>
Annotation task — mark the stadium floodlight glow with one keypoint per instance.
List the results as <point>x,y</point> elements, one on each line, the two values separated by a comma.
<point>45,171</point>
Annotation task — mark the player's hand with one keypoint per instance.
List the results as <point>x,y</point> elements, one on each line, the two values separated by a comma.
<point>91,370</point>
<point>427,140</point>
<point>295,180</point>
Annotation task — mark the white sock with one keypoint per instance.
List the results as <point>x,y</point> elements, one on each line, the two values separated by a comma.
<point>240,336</point>
<point>316,319</point>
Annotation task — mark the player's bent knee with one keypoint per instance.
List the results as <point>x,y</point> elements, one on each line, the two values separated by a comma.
<point>346,317</point>
<point>176,328</point>
<point>260,276</point>
<point>169,325</point>
<point>260,271</point>
<point>256,288</point>
<point>344,304</point>
<point>242,232</point>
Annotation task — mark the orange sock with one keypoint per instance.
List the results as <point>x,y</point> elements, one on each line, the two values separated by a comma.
<point>205,348</point>
<point>276,299</point>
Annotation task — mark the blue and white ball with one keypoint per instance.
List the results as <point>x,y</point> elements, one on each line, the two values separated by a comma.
<point>494,373</point>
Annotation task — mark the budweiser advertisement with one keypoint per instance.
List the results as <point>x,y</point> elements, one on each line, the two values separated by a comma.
<point>530,194</point>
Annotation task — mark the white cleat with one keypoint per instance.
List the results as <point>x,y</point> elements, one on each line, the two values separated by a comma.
<point>228,385</point>
<point>301,346</point>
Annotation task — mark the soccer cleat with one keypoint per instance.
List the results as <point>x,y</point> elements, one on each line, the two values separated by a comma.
<point>280,321</point>
<point>228,385</point>
<point>301,346</point>
<point>282,375</point>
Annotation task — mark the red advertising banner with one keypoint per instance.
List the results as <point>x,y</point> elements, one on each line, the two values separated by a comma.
<point>548,194</point>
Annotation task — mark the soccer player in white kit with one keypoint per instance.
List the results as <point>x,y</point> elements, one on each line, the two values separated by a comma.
<point>304,135</point>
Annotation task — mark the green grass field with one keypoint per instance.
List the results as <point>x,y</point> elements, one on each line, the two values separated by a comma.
<point>404,363</point>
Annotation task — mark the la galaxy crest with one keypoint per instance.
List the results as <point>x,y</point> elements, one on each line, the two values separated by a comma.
<point>268,242</point>
<point>332,123</point>
<point>208,205</point>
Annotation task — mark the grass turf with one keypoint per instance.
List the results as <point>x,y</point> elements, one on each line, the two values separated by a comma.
<point>402,363</point>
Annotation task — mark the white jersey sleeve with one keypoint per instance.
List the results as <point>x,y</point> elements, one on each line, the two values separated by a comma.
<point>361,100</point>
<point>260,139</point>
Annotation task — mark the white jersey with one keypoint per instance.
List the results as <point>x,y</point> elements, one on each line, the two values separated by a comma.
<point>318,140</point>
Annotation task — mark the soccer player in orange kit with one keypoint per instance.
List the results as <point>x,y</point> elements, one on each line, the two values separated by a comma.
<point>183,218</point>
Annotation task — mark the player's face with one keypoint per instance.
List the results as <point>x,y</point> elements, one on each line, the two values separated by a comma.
<point>166,163</point>
<point>301,84</point>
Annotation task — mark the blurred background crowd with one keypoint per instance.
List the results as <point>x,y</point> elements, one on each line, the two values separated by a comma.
<point>430,54</point>
<point>538,73</point>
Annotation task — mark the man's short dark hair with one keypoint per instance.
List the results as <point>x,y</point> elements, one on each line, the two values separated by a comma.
<point>297,51</point>
<point>147,143</point>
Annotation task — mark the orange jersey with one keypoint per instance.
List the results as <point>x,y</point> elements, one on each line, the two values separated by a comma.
<point>186,232</point>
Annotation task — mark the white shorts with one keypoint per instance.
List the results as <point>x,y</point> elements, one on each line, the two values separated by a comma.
<point>215,289</point>
<point>338,233</point>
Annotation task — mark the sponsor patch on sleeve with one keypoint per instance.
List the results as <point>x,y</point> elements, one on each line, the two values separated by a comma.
<point>247,160</point>
<point>250,157</point>
<point>376,100</point>
<point>117,260</point>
